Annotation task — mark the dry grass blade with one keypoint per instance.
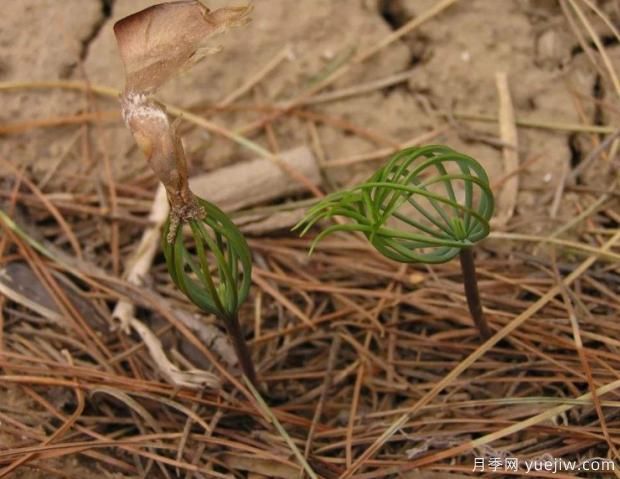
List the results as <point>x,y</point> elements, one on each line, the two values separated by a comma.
<point>371,51</point>
<point>472,358</point>
<point>57,434</point>
<point>599,45</point>
<point>489,438</point>
<point>264,408</point>
<point>192,378</point>
<point>75,244</point>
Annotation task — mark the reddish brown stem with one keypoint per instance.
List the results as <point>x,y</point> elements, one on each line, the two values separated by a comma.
<point>241,348</point>
<point>471,292</point>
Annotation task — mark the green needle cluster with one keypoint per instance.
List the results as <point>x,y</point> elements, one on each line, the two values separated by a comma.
<point>218,276</point>
<point>217,285</point>
<point>424,206</point>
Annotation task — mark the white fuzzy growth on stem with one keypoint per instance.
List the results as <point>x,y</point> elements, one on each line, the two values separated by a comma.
<point>137,105</point>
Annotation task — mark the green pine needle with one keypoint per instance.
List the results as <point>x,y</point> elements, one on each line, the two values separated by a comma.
<point>423,206</point>
<point>218,283</point>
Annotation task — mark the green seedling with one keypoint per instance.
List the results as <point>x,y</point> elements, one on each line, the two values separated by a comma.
<point>217,283</point>
<point>155,44</point>
<point>426,205</point>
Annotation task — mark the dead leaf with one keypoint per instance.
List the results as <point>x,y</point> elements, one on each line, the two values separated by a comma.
<point>158,42</point>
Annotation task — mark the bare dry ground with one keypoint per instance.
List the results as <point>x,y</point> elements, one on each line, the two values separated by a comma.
<point>373,369</point>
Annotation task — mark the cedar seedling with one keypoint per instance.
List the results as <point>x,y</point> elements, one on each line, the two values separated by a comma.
<point>426,205</point>
<point>155,44</point>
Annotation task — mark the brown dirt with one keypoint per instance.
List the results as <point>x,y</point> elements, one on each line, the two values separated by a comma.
<point>455,57</point>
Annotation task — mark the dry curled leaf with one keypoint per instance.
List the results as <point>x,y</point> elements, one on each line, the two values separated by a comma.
<point>158,42</point>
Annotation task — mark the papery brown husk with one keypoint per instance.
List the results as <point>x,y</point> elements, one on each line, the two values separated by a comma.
<point>158,42</point>
<point>160,144</point>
